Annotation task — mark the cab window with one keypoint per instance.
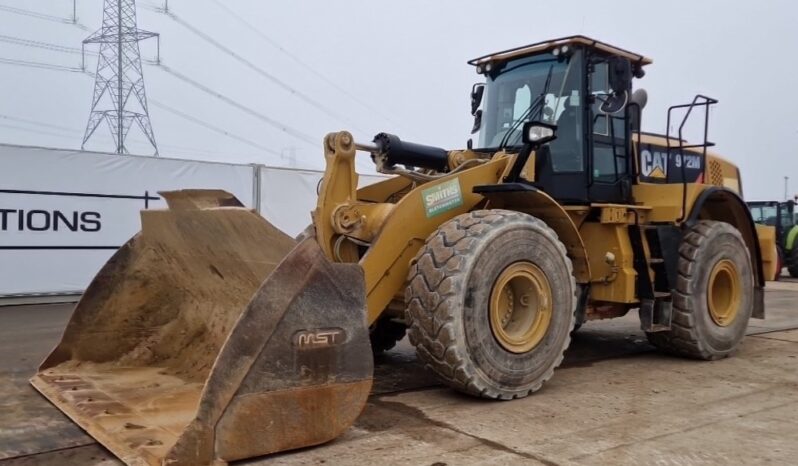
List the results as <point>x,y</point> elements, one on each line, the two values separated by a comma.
<point>609,131</point>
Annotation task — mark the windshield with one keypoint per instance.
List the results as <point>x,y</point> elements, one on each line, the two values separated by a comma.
<point>765,215</point>
<point>540,88</point>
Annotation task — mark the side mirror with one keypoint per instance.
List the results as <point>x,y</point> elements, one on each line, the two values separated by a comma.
<point>476,97</point>
<point>620,80</point>
<point>537,133</point>
<point>620,74</point>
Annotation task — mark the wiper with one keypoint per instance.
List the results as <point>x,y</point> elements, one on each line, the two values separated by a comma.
<point>506,139</point>
<point>528,112</point>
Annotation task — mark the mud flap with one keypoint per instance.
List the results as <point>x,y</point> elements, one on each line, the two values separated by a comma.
<point>210,337</point>
<point>759,303</point>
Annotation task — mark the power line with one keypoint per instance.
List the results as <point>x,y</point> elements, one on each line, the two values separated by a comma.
<point>304,137</point>
<point>195,120</point>
<point>154,102</point>
<point>299,94</point>
<point>42,45</point>
<point>301,62</point>
<point>50,46</point>
<point>274,123</point>
<point>173,148</point>
<point>42,65</point>
<point>36,122</point>
<point>211,127</point>
<point>35,14</point>
<point>43,16</point>
<point>35,131</point>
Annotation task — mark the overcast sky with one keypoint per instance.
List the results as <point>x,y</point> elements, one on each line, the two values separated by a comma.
<point>400,66</point>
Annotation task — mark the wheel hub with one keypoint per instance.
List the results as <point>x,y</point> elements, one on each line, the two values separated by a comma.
<point>724,293</point>
<point>520,307</point>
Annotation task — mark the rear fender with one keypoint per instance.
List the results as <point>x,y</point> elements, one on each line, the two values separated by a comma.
<point>791,236</point>
<point>725,205</point>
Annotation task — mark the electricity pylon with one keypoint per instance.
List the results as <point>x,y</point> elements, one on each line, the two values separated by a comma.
<point>119,98</point>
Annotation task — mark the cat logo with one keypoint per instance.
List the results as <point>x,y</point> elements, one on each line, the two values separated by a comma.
<point>657,172</point>
<point>322,338</point>
<point>654,164</point>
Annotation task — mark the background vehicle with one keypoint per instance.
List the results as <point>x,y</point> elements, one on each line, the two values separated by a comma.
<point>781,216</point>
<point>212,337</point>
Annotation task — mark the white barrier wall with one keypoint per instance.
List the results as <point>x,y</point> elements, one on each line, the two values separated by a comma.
<point>63,213</point>
<point>287,196</point>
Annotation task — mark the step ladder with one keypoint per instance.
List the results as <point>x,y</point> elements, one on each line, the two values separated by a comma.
<point>656,303</point>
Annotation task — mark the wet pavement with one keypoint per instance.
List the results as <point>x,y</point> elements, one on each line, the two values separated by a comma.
<point>614,401</point>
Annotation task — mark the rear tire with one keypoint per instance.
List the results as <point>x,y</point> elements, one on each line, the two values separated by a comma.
<point>779,263</point>
<point>792,261</point>
<point>479,293</point>
<point>714,292</point>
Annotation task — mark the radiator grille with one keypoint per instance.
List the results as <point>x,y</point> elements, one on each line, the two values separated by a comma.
<point>715,173</point>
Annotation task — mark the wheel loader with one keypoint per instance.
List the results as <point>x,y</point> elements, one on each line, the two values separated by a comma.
<point>211,336</point>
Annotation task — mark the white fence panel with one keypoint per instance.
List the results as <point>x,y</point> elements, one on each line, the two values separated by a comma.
<point>63,213</point>
<point>287,196</point>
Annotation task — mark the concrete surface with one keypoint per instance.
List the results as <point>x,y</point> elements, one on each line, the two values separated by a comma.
<point>614,401</point>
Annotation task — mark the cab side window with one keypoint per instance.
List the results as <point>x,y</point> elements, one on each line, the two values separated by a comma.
<point>786,215</point>
<point>566,110</point>
<point>756,213</point>
<point>609,136</point>
<point>599,86</point>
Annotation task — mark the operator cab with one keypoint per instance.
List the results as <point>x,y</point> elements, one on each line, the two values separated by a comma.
<point>780,215</point>
<point>580,87</point>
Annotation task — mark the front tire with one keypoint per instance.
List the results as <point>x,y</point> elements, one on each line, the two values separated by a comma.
<point>491,301</point>
<point>714,292</point>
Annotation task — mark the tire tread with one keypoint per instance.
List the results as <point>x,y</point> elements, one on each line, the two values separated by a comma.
<point>436,279</point>
<point>684,338</point>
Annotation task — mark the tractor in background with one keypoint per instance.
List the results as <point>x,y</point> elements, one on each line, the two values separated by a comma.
<point>781,216</point>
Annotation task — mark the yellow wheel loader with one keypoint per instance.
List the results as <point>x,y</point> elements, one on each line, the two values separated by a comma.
<point>211,336</point>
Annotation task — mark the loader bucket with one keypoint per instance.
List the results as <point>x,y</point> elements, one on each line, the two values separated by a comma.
<point>210,337</point>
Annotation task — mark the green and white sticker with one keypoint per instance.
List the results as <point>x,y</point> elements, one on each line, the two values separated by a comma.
<point>442,197</point>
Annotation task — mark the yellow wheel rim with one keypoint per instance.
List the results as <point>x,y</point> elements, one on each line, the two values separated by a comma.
<point>724,293</point>
<point>520,307</point>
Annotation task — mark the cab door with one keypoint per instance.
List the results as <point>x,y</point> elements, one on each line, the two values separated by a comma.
<point>561,165</point>
<point>609,151</point>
